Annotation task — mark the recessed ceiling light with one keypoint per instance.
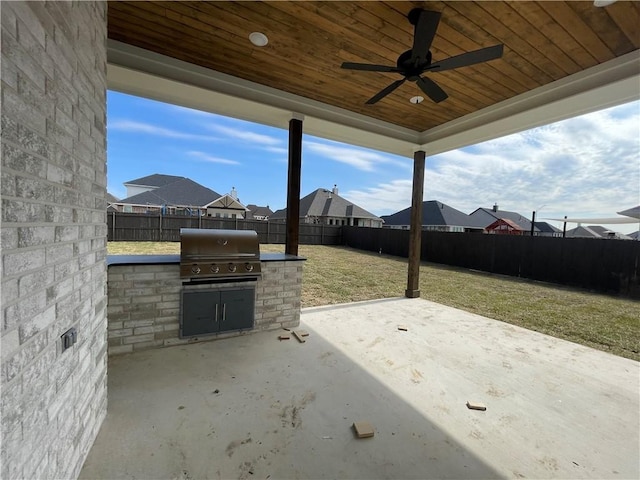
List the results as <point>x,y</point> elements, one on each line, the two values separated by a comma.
<point>417,99</point>
<point>258,39</point>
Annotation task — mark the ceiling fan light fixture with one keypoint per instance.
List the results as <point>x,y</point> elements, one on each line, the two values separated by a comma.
<point>603,3</point>
<point>259,39</point>
<point>417,99</point>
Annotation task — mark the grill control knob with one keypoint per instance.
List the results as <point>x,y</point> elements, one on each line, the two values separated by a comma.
<point>248,267</point>
<point>214,269</point>
<point>232,267</point>
<point>195,269</point>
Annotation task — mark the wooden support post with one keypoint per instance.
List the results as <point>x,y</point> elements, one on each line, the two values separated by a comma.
<point>293,187</point>
<point>415,232</point>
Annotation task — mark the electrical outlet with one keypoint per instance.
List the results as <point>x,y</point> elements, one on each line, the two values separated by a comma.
<point>69,338</point>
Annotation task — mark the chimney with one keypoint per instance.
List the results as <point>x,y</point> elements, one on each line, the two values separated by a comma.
<point>495,207</point>
<point>335,189</point>
<point>234,193</point>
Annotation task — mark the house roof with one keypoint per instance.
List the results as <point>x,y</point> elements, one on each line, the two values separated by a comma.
<point>260,211</point>
<point>325,203</point>
<point>112,198</point>
<point>545,227</point>
<point>155,180</point>
<point>488,216</point>
<point>434,213</point>
<point>504,221</point>
<point>182,191</point>
<point>591,231</point>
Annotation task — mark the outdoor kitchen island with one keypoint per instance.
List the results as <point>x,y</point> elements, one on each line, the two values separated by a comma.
<point>145,294</point>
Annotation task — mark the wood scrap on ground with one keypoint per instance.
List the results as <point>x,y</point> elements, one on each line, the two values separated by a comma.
<point>363,429</point>
<point>476,406</point>
<point>403,328</point>
<point>284,337</point>
<point>298,336</point>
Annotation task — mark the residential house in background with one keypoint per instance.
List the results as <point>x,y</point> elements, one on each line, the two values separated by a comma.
<point>166,194</point>
<point>227,206</point>
<point>327,207</point>
<point>487,216</point>
<point>595,231</point>
<point>436,216</point>
<point>258,213</point>
<point>504,226</point>
<point>173,195</point>
<point>545,229</point>
<point>111,199</point>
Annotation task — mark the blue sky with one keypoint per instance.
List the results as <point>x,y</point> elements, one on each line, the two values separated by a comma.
<point>588,166</point>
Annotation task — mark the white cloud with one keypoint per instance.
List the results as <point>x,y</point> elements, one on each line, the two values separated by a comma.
<point>131,126</point>
<point>365,160</point>
<point>255,138</point>
<point>280,150</point>
<point>586,166</point>
<point>211,159</point>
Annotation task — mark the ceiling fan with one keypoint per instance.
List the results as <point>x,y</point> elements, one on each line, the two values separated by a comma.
<point>413,63</point>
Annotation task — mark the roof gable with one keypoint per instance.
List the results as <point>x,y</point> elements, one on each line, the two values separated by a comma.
<point>228,202</point>
<point>505,222</point>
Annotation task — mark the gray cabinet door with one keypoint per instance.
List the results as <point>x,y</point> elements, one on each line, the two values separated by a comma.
<point>237,309</point>
<point>200,313</point>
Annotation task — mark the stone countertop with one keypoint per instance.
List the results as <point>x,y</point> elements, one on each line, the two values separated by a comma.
<point>165,259</point>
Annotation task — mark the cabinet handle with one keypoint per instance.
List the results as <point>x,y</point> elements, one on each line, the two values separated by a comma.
<point>224,312</point>
<point>215,318</point>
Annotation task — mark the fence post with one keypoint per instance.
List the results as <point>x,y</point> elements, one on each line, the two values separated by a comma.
<point>322,234</point>
<point>160,226</point>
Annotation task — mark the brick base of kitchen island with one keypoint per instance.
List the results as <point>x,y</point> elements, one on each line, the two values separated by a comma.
<point>144,292</point>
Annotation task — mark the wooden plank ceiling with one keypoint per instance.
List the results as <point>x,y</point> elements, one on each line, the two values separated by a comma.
<point>544,41</point>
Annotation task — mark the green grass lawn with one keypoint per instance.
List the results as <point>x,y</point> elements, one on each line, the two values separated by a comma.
<point>340,275</point>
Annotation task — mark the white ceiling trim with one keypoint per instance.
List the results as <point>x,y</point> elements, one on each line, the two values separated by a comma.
<point>143,73</point>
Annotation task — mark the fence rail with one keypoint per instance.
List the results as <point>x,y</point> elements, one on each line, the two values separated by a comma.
<point>137,227</point>
<point>603,265</point>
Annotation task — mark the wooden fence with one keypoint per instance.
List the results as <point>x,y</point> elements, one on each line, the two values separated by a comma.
<point>166,228</point>
<point>603,265</point>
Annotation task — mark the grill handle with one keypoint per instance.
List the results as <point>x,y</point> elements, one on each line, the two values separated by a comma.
<point>224,312</point>
<point>215,318</point>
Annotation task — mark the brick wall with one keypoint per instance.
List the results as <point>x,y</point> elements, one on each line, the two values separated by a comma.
<point>53,235</point>
<point>144,304</point>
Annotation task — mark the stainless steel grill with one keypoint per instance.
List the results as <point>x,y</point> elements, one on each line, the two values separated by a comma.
<point>209,253</point>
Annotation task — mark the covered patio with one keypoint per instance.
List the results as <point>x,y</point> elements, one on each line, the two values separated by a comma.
<point>257,407</point>
<point>553,409</point>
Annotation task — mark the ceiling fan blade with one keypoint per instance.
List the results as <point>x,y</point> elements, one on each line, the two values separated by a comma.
<point>432,89</point>
<point>469,58</point>
<point>385,91</point>
<point>424,33</point>
<point>368,67</point>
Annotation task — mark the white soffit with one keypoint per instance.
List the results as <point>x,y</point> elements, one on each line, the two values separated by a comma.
<point>143,73</point>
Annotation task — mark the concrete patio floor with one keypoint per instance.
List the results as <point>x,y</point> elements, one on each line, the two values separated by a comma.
<point>256,407</point>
